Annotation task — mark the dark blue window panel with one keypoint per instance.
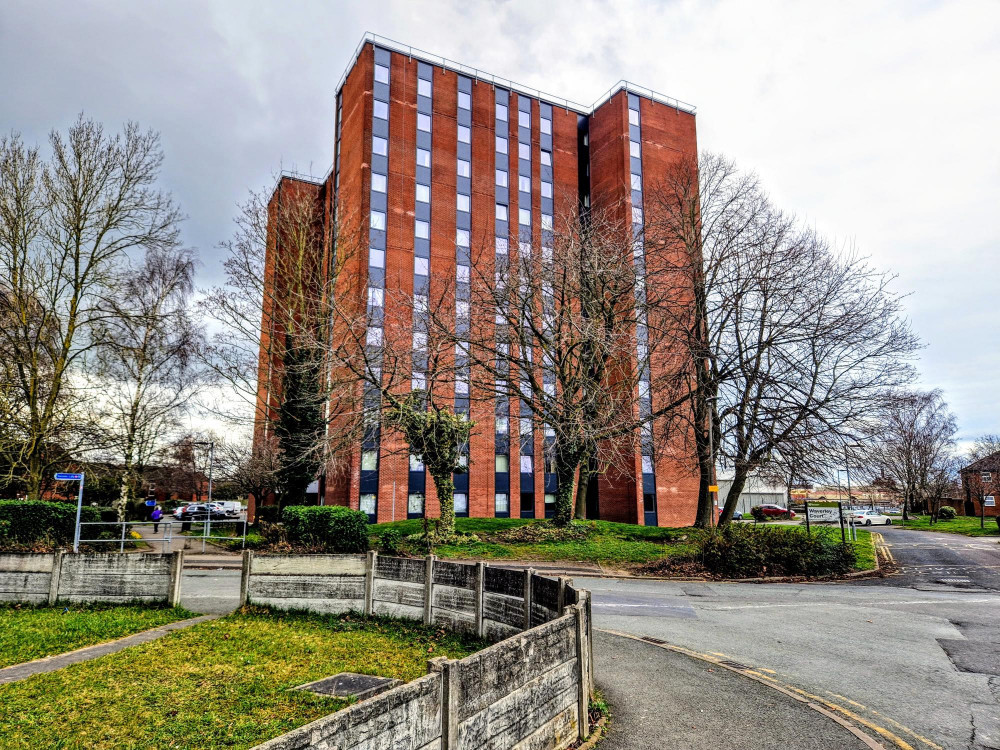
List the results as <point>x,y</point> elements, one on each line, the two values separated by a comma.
<point>649,509</point>
<point>378,201</point>
<point>461,482</point>
<point>545,142</point>
<point>420,285</point>
<point>523,235</point>
<point>501,162</point>
<point>635,164</point>
<point>464,185</point>
<point>464,151</point>
<point>502,444</point>
<point>463,290</point>
<point>551,483</point>
<point>546,173</point>
<point>524,134</point>
<point>633,101</point>
<point>528,503</point>
<point>461,405</point>
<point>381,91</point>
<point>423,140</point>
<point>423,212</point>
<point>425,105</point>
<point>524,103</point>
<point>465,84</point>
<point>649,483</point>
<point>417,481</point>
<point>462,218</point>
<point>422,248</point>
<point>633,133</point>
<point>425,71</point>
<point>523,167</point>
<point>376,316</point>
<point>501,194</point>
<point>501,228</point>
<point>527,483</point>
<point>424,175</point>
<point>636,198</point>
<point>420,361</point>
<point>376,239</point>
<point>501,481</point>
<point>547,207</point>
<point>376,277</point>
<point>380,164</point>
<point>465,117</point>
<point>380,127</point>
<point>369,481</point>
<point>461,328</point>
<point>463,255</point>
<point>382,56</point>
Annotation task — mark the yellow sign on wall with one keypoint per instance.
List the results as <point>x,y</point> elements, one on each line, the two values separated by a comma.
<point>713,488</point>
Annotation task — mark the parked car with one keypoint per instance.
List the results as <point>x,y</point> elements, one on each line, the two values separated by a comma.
<point>737,516</point>
<point>232,508</point>
<point>201,511</point>
<point>777,510</point>
<point>893,511</point>
<point>870,517</point>
<point>179,511</point>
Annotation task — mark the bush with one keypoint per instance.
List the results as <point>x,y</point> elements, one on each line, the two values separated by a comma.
<point>269,513</point>
<point>741,551</point>
<point>391,542</point>
<point>39,522</point>
<point>758,513</point>
<point>333,528</point>
<point>946,513</point>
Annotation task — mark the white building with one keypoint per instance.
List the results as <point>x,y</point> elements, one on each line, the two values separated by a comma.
<point>756,491</point>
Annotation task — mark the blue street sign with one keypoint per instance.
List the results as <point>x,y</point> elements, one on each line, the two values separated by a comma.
<point>150,503</point>
<point>69,477</point>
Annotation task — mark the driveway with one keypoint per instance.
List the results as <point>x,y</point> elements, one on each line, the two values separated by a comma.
<point>914,658</point>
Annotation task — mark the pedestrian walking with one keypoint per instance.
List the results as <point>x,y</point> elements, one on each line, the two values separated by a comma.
<point>155,516</point>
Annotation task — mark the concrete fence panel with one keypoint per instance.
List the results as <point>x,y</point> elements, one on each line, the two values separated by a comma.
<point>323,583</point>
<point>27,578</point>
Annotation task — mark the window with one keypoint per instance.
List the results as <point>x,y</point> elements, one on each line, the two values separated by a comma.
<point>421,266</point>
<point>376,258</point>
<point>378,182</point>
<point>634,149</point>
<point>637,182</point>
<point>369,460</point>
<point>502,464</point>
<point>381,110</point>
<point>464,134</point>
<point>423,122</point>
<point>633,117</point>
<point>524,119</point>
<point>421,229</point>
<point>647,464</point>
<point>546,189</point>
<point>501,245</point>
<point>524,183</point>
<point>416,463</point>
<point>462,310</point>
<point>375,296</point>
<point>546,158</point>
<point>989,502</point>
<point>524,248</point>
<point>547,221</point>
<point>527,464</point>
<point>524,217</point>
<point>501,212</point>
<point>501,111</point>
<point>423,193</point>
<point>501,145</point>
<point>546,126</point>
<point>524,151</point>
<point>378,220</point>
<point>461,503</point>
<point>420,307</point>
<point>420,341</point>
<point>987,476</point>
<point>423,87</point>
<point>462,202</point>
<point>636,215</point>
<point>415,504</point>
<point>524,426</point>
<point>423,157</point>
<point>550,503</point>
<point>462,235</point>
<point>464,168</point>
<point>381,74</point>
<point>501,502</point>
<point>367,504</point>
<point>462,273</point>
<point>464,100</point>
<point>380,146</point>
<point>501,178</point>
<point>374,337</point>
<point>503,427</point>
<point>418,382</point>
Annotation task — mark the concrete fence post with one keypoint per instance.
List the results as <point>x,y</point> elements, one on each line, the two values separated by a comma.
<point>590,642</point>
<point>245,576</point>
<point>370,562</point>
<point>57,560</point>
<point>581,658</point>
<point>428,589</point>
<point>527,597</point>
<point>563,583</point>
<point>176,575</point>
<point>480,589</point>
<point>449,705</point>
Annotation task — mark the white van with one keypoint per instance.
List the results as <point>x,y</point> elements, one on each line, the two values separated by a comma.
<point>232,508</point>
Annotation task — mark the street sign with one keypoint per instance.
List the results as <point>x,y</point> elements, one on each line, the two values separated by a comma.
<point>150,503</point>
<point>713,488</point>
<point>69,477</point>
<point>823,512</point>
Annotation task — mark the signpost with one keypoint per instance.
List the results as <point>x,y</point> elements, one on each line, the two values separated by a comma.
<point>825,512</point>
<point>64,477</point>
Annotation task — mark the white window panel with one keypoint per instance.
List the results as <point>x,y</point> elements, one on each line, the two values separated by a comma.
<point>366,504</point>
<point>501,112</point>
<point>647,464</point>
<point>636,215</point>
<point>549,431</point>
<point>376,258</point>
<point>524,151</point>
<point>501,145</point>
<point>634,149</point>
<point>378,220</point>
<point>369,460</point>
<point>547,252</point>
<point>546,189</point>
<point>464,100</point>
<point>380,145</point>
<point>633,117</point>
<point>546,126</point>
<point>376,296</point>
<point>416,463</point>
<point>503,426</point>
<point>462,236</point>
<point>381,110</point>
<point>547,221</point>
<point>524,183</point>
<point>378,182</point>
<point>464,168</point>
<point>464,134</point>
<point>500,318</point>
<point>501,212</point>
<point>546,158</point>
<point>381,73</point>
<point>527,464</point>
<point>420,341</point>
<point>423,193</point>
<point>550,500</point>
<point>420,305</point>
<point>524,119</point>
<point>501,501</point>
<point>423,87</point>
<point>421,229</point>
<point>524,426</point>
<point>524,217</point>
<point>423,122</point>
<point>462,309</point>
<point>989,502</point>
<point>462,273</point>
<point>423,157</point>
<point>502,463</point>
<point>374,337</point>
<point>418,382</point>
<point>637,182</point>
<point>501,178</point>
<point>524,248</point>
<point>461,387</point>
<point>421,266</point>
<point>415,503</point>
<point>462,202</point>
<point>550,389</point>
<point>501,245</point>
<point>461,502</point>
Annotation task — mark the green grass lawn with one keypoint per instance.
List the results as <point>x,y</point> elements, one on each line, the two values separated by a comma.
<point>28,633</point>
<point>223,683</point>
<point>864,548</point>
<point>612,544</point>
<point>968,525</point>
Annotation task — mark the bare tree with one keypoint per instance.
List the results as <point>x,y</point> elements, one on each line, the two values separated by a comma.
<point>66,227</point>
<point>147,360</point>
<point>253,467</point>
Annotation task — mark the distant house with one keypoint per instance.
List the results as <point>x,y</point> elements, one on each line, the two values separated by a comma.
<point>757,491</point>
<point>981,486</point>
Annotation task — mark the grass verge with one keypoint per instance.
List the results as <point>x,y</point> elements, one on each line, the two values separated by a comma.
<point>864,551</point>
<point>29,633</point>
<point>967,525</point>
<point>223,683</point>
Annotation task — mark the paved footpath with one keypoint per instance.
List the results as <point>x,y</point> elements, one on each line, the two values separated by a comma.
<point>52,663</point>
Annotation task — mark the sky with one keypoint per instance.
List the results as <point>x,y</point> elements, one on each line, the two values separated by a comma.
<point>876,122</point>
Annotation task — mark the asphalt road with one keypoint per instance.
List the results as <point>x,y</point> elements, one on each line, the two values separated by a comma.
<point>913,658</point>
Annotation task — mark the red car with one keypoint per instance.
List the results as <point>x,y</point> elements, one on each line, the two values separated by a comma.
<point>777,510</point>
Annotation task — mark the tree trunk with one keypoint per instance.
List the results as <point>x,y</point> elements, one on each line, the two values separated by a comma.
<point>445,486</point>
<point>735,490</point>
<point>566,473</point>
<point>706,474</point>
<point>582,486</point>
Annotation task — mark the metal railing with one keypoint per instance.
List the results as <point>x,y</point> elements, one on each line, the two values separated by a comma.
<point>120,539</point>
<point>206,531</point>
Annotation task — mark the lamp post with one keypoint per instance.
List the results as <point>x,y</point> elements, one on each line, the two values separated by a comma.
<point>711,458</point>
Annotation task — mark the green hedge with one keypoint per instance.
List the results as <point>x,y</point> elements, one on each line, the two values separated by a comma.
<point>744,551</point>
<point>269,513</point>
<point>334,528</point>
<point>35,521</point>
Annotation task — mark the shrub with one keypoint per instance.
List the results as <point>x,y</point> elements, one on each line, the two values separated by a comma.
<point>946,513</point>
<point>269,513</point>
<point>758,513</point>
<point>333,528</point>
<point>741,551</point>
<point>391,542</point>
<point>36,521</point>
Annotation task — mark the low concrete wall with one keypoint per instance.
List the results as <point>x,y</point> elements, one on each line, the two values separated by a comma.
<point>104,577</point>
<point>528,691</point>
